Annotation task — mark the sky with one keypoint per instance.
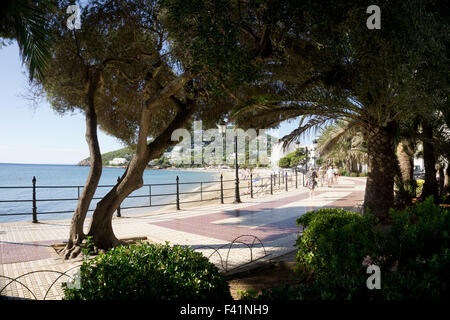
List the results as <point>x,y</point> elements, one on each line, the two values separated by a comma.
<point>39,135</point>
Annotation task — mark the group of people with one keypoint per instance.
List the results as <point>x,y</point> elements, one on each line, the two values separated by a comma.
<point>330,175</point>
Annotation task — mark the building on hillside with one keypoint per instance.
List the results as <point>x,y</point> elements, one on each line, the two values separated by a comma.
<point>118,162</point>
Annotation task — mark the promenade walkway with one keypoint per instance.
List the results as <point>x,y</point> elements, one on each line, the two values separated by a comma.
<point>231,235</point>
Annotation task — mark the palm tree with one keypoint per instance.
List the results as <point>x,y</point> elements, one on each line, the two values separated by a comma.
<point>343,142</point>
<point>333,70</point>
<point>24,21</point>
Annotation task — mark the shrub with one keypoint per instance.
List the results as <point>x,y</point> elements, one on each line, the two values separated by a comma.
<point>417,249</point>
<point>413,255</point>
<point>335,242</point>
<point>149,271</point>
<point>419,187</point>
<point>354,174</point>
<point>306,218</point>
<point>349,287</point>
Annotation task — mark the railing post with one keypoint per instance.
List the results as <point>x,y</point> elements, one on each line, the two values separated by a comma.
<point>150,195</point>
<point>178,193</point>
<point>201,191</point>
<point>251,185</point>
<point>34,201</point>
<point>118,209</point>
<point>286,178</point>
<point>279,179</point>
<point>296,178</point>
<point>221,189</point>
<point>271,184</point>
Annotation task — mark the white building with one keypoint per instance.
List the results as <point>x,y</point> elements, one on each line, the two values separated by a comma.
<point>118,162</point>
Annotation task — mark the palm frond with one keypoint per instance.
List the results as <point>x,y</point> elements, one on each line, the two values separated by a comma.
<point>25,21</point>
<point>314,123</point>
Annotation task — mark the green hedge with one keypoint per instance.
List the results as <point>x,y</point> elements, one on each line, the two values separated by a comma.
<point>149,271</point>
<point>413,255</point>
<point>335,242</point>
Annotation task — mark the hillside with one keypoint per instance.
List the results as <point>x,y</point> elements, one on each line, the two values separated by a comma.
<point>163,162</point>
<point>126,153</point>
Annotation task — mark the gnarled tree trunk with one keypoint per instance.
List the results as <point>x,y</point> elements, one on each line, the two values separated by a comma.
<point>101,225</point>
<point>77,235</point>
<point>379,196</point>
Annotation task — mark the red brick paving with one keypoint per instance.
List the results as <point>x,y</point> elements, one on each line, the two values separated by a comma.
<point>12,252</point>
<point>204,225</point>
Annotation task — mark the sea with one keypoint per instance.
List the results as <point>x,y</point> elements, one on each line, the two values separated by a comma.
<point>55,182</point>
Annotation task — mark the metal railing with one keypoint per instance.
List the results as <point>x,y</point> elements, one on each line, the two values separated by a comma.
<point>255,186</point>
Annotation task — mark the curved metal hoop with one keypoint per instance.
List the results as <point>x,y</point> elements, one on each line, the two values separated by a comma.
<point>15,280</point>
<point>237,240</point>
<point>215,250</point>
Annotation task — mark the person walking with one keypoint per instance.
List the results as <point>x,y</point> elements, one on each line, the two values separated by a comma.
<point>335,173</point>
<point>311,182</point>
<point>330,176</point>
<point>322,173</point>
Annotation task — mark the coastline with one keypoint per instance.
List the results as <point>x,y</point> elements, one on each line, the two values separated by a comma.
<point>210,194</point>
<point>18,187</point>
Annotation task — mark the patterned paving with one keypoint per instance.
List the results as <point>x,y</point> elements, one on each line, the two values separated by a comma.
<point>11,252</point>
<point>272,219</point>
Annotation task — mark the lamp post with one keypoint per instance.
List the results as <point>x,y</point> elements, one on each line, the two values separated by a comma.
<point>306,159</point>
<point>237,198</point>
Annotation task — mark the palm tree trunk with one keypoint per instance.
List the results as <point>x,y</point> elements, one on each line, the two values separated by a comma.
<point>354,165</point>
<point>379,196</point>
<point>441,181</point>
<point>405,154</point>
<point>447,179</point>
<point>430,187</point>
<point>406,183</point>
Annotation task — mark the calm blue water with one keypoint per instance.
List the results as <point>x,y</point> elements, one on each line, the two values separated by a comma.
<point>70,175</point>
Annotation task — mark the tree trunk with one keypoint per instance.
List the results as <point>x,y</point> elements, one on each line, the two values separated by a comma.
<point>76,235</point>
<point>447,179</point>
<point>430,187</point>
<point>405,181</point>
<point>441,180</point>
<point>354,165</point>
<point>101,225</point>
<point>405,154</point>
<point>379,196</point>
